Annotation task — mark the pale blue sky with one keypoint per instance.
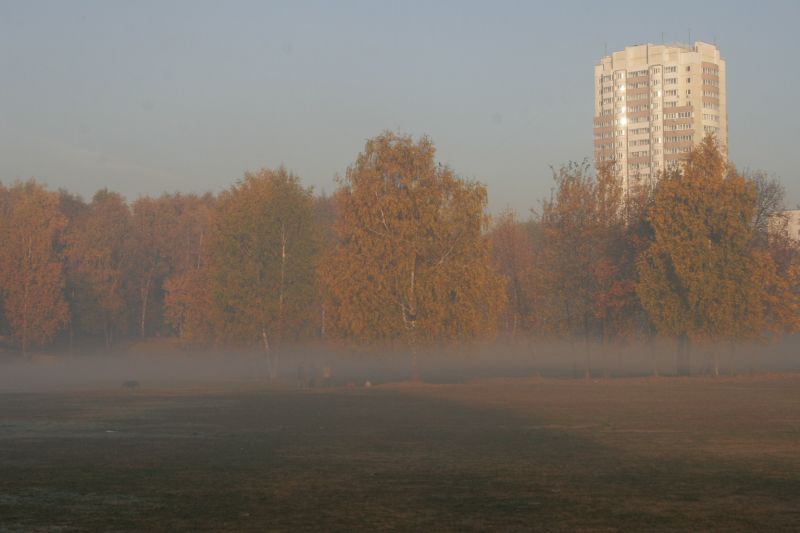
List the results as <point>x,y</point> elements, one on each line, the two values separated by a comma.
<point>145,97</point>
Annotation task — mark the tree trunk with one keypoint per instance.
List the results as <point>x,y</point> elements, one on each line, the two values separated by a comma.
<point>25,319</point>
<point>588,349</point>
<point>704,369</point>
<point>682,361</point>
<point>653,357</point>
<point>574,357</point>
<point>536,370</point>
<point>412,319</point>
<point>281,294</point>
<point>270,366</point>
<point>715,355</point>
<point>604,350</point>
<point>145,294</point>
<point>655,363</point>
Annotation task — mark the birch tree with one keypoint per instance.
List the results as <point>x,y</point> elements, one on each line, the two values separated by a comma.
<point>262,259</point>
<point>153,220</point>
<point>411,263</point>
<point>31,269</point>
<point>188,306</point>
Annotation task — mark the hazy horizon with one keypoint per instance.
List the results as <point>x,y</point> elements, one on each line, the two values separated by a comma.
<point>150,97</point>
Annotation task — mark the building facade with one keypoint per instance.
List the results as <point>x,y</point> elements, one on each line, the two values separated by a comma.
<point>653,103</point>
<point>793,224</point>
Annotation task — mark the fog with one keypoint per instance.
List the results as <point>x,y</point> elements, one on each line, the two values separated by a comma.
<point>305,366</point>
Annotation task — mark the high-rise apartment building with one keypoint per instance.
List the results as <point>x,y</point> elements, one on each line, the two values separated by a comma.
<point>653,103</point>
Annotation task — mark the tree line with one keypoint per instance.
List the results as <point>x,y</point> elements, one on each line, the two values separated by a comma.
<point>403,252</point>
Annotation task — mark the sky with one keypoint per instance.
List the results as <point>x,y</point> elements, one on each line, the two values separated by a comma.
<point>164,96</point>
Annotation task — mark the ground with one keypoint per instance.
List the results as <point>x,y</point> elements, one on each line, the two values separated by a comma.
<point>671,454</point>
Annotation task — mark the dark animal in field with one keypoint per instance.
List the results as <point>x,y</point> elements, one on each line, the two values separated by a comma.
<point>130,385</point>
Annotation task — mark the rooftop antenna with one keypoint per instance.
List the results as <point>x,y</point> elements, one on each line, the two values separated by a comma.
<point>690,35</point>
<point>662,37</point>
<point>605,49</point>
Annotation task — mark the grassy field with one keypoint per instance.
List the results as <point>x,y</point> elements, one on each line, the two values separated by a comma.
<point>513,454</point>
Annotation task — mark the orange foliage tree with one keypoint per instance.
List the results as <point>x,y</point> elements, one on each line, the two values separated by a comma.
<point>168,232</point>
<point>325,215</point>
<point>586,269</point>
<point>701,277</point>
<point>98,242</point>
<point>568,255</point>
<point>31,270</point>
<point>514,257</point>
<point>260,261</point>
<point>187,302</point>
<point>411,262</point>
<point>153,219</point>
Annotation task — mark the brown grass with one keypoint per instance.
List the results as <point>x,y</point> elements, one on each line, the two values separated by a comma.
<point>514,454</point>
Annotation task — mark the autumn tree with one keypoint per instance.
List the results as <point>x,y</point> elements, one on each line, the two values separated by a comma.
<point>616,226</point>
<point>153,219</point>
<point>325,215</point>
<point>514,257</point>
<point>189,304</point>
<point>31,271</point>
<point>4,209</point>
<point>620,234</point>
<point>777,253</point>
<point>262,259</point>
<point>568,254</point>
<point>97,251</point>
<point>187,301</point>
<point>700,278</point>
<point>583,250</point>
<point>411,263</point>
<point>586,265</point>
<point>769,206</point>
<point>168,235</point>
